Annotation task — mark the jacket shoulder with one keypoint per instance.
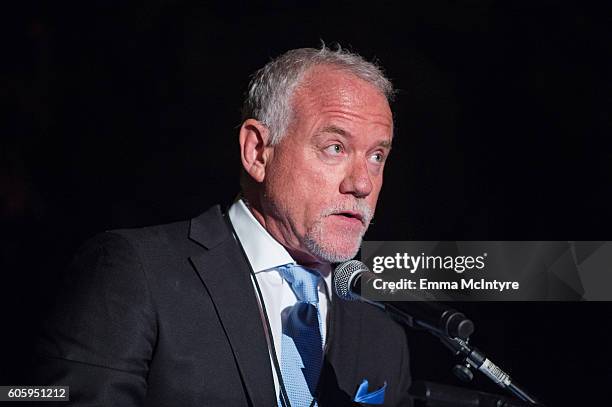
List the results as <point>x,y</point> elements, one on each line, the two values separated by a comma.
<point>186,236</point>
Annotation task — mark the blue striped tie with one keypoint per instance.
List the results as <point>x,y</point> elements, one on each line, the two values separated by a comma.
<point>301,343</point>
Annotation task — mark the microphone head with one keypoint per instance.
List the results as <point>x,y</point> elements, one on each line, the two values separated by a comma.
<point>344,275</point>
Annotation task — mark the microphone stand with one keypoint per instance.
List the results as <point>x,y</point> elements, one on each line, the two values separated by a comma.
<point>472,357</point>
<point>476,359</point>
<point>452,327</point>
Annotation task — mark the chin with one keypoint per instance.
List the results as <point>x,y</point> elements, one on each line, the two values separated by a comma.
<point>334,250</point>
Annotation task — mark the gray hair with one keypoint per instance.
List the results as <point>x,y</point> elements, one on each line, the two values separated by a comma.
<point>271,88</point>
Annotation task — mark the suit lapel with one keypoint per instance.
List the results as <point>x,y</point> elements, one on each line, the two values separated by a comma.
<point>225,275</point>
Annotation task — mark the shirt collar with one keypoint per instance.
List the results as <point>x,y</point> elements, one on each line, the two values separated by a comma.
<point>262,250</point>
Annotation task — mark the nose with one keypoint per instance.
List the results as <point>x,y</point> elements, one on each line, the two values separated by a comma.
<point>357,180</point>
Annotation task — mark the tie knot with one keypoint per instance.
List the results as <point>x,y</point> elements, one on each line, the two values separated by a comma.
<point>304,282</point>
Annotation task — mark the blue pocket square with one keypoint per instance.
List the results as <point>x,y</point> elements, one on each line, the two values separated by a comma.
<point>376,397</point>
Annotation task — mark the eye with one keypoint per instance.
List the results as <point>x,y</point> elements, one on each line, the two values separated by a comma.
<point>334,149</point>
<point>378,157</point>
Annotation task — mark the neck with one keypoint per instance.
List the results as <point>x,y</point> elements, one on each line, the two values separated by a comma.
<point>301,257</point>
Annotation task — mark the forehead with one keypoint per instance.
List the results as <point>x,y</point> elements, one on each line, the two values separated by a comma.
<point>330,89</point>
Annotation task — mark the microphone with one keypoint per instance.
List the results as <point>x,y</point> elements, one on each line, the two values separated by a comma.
<point>351,276</point>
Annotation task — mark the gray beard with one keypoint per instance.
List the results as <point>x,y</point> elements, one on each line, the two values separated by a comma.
<point>328,254</point>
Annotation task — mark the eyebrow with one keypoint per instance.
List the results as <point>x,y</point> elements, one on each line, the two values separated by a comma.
<point>340,131</point>
<point>335,129</point>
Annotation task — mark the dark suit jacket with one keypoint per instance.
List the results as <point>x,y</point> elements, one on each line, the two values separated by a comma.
<point>167,316</point>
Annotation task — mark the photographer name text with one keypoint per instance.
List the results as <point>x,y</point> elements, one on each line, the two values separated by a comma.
<point>462,284</point>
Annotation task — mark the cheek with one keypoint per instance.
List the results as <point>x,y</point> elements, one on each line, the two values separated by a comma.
<point>323,188</point>
<point>308,178</point>
<point>311,191</point>
<point>304,187</point>
<point>292,188</point>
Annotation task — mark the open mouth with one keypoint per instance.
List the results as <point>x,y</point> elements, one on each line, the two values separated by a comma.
<point>350,215</point>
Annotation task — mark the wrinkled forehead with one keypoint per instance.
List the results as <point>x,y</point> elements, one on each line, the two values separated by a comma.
<point>326,87</point>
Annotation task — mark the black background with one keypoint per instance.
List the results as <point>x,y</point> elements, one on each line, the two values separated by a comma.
<point>120,114</point>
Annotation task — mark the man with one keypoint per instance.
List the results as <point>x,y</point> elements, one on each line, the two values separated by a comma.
<point>238,309</point>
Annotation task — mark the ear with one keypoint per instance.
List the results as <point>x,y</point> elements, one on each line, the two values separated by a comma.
<point>254,150</point>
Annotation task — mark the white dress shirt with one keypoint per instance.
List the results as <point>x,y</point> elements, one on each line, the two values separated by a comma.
<point>265,254</point>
